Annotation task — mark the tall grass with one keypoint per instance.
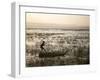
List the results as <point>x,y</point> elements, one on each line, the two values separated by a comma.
<point>63,48</point>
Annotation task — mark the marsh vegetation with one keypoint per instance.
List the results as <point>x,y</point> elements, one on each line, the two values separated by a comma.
<point>62,47</point>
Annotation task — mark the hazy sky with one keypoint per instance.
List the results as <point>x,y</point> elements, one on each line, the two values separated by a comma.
<point>67,20</point>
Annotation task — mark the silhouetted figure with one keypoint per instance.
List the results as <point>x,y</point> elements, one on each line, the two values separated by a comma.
<point>42,45</point>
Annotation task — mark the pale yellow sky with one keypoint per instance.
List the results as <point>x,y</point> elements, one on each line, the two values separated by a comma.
<point>67,20</point>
